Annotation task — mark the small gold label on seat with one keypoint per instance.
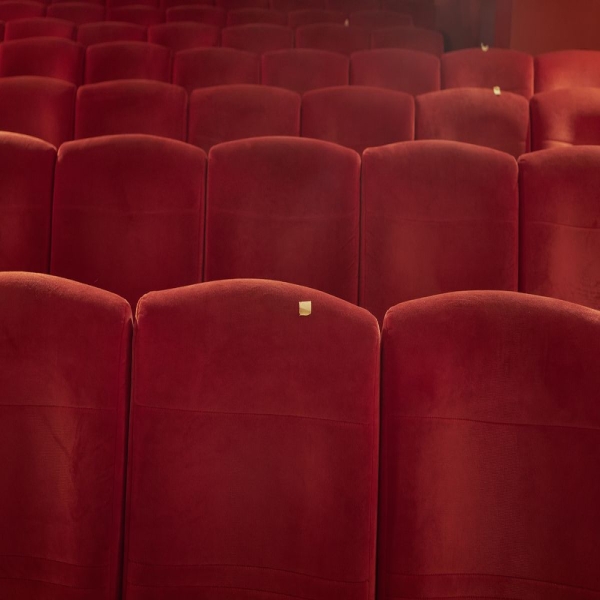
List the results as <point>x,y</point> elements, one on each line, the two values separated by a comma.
<point>497,90</point>
<point>305,308</point>
<point>485,47</point>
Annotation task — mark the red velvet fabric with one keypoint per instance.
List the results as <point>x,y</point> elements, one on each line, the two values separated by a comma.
<point>108,31</point>
<point>210,15</point>
<point>39,27</point>
<point>205,67</point>
<point>560,224</point>
<point>233,112</point>
<point>246,16</point>
<point>253,454</point>
<point>79,13</point>
<point>567,69</point>
<point>26,177</point>
<point>304,69</point>
<point>234,4</point>
<point>292,5</point>
<point>39,106</point>
<point>379,19</point>
<point>48,57</point>
<point>183,36</point>
<point>358,117</point>
<point>1,31</point>
<point>64,375</point>
<point>140,15</point>
<point>350,6</point>
<point>297,18</point>
<point>119,3</point>
<point>165,4</point>
<point>129,213</point>
<point>396,69</point>
<point>409,38</point>
<point>20,9</point>
<point>257,37</point>
<point>490,448</point>
<point>333,37</point>
<point>436,217</point>
<point>287,209</point>
<point>423,12</point>
<point>127,60</point>
<point>131,106</point>
<point>476,116</point>
<point>565,117</point>
<point>512,71</point>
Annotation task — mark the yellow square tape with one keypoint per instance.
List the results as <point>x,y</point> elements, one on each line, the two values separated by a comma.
<point>305,308</point>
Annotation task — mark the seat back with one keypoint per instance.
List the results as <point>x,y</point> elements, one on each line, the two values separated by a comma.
<point>409,38</point>
<point>39,27</point>
<point>247,16</point>
<point>436,217</point>
<point>257,37</point>
<point>139,15</point>
<point>109,31</point>
<point>332,37</point>
<point>79,13</point>
<point>567,69</point>
<point>209,15</point>
<point>183,36</point>
<point>276,415</point>
<point>297,18</point>
<point>20,9</point>
<point>379,19</point>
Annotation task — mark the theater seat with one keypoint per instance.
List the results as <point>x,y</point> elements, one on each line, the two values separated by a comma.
<point>39,27</point>
<point>409,38</point>
<point>233,112</point>
<point>292,5</point>
<point>332,37</point>
<point>235,4</point>
<point>379,19</point>
<point>127,60</point>
<point>284,208</point>
<point>183,36</point>
<point>79,13</point>
<point>139,15</point>
<point>64,374</point>
<point>38,106</point>
<point>489,440</point>
<point>20,9</point>
<point>128,213</point>
<point>1,31</point>
<point>110,31</point>
<point>209,15</point>
<point>510,70</point>
<point>304,69</point>
<point>205,67</point>
<point>358,117</point>
<point>437,217</point>
<point>47,57</point>
<point>565,117</point>
<point>261,426</point>
<point>246,16</point>
<point>26,176</point>
<point>166,4</point>
<point>297,18</point>
<point>567,69</point>
<point>257,38</point>
<point>476,116</point>
<point>395,69</point>
<point>423,13</point>
<point>350,6</point>
<point>131,106</point>
<point>560,224</point>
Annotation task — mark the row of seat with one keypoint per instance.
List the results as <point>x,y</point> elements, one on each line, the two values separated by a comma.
<point>130,214</point>
<point>246,462</point>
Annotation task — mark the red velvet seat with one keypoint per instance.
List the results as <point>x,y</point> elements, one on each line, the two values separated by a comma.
<point>510,70</point>
<point>38,106</point>
<point>350,6</point>
<point>332,37</point>
<point>166,4</point>
<point>209,15</point>
<point>246,16</point>
<point>1,31</point>
<point>262,428</point>
<point>395,69</point>
<point>79,13</point>
<point>233,112</point>
<point>128,213</point>
<point>423,12</point>
<point>379,19</point>
<point>476,116</point>
<point>567,69</point>
<point>437,217</point>
<point>26,176</point>
<point>297,18</point>
<point>287,209</point>
<point>292,5</point>
<point>39,27</point>
<point>64,374</point>
<point>304,69</point>
<point>139,15</point>
<point>120,3</point>
<point>110,31</point>
<point>205,67</point>
<point>184,35</point>
<point>235,4</point>
<point>21,9</point>
<point>47,57</point>
<point>489,435</point>
<point>257,38</point>
<point>409,38</point>
<point>565,117</point>
<point>358,117</point>
<point>131,106</point>
<point>560,224</point>
<point>127,60</point>
<point>100,2</point>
